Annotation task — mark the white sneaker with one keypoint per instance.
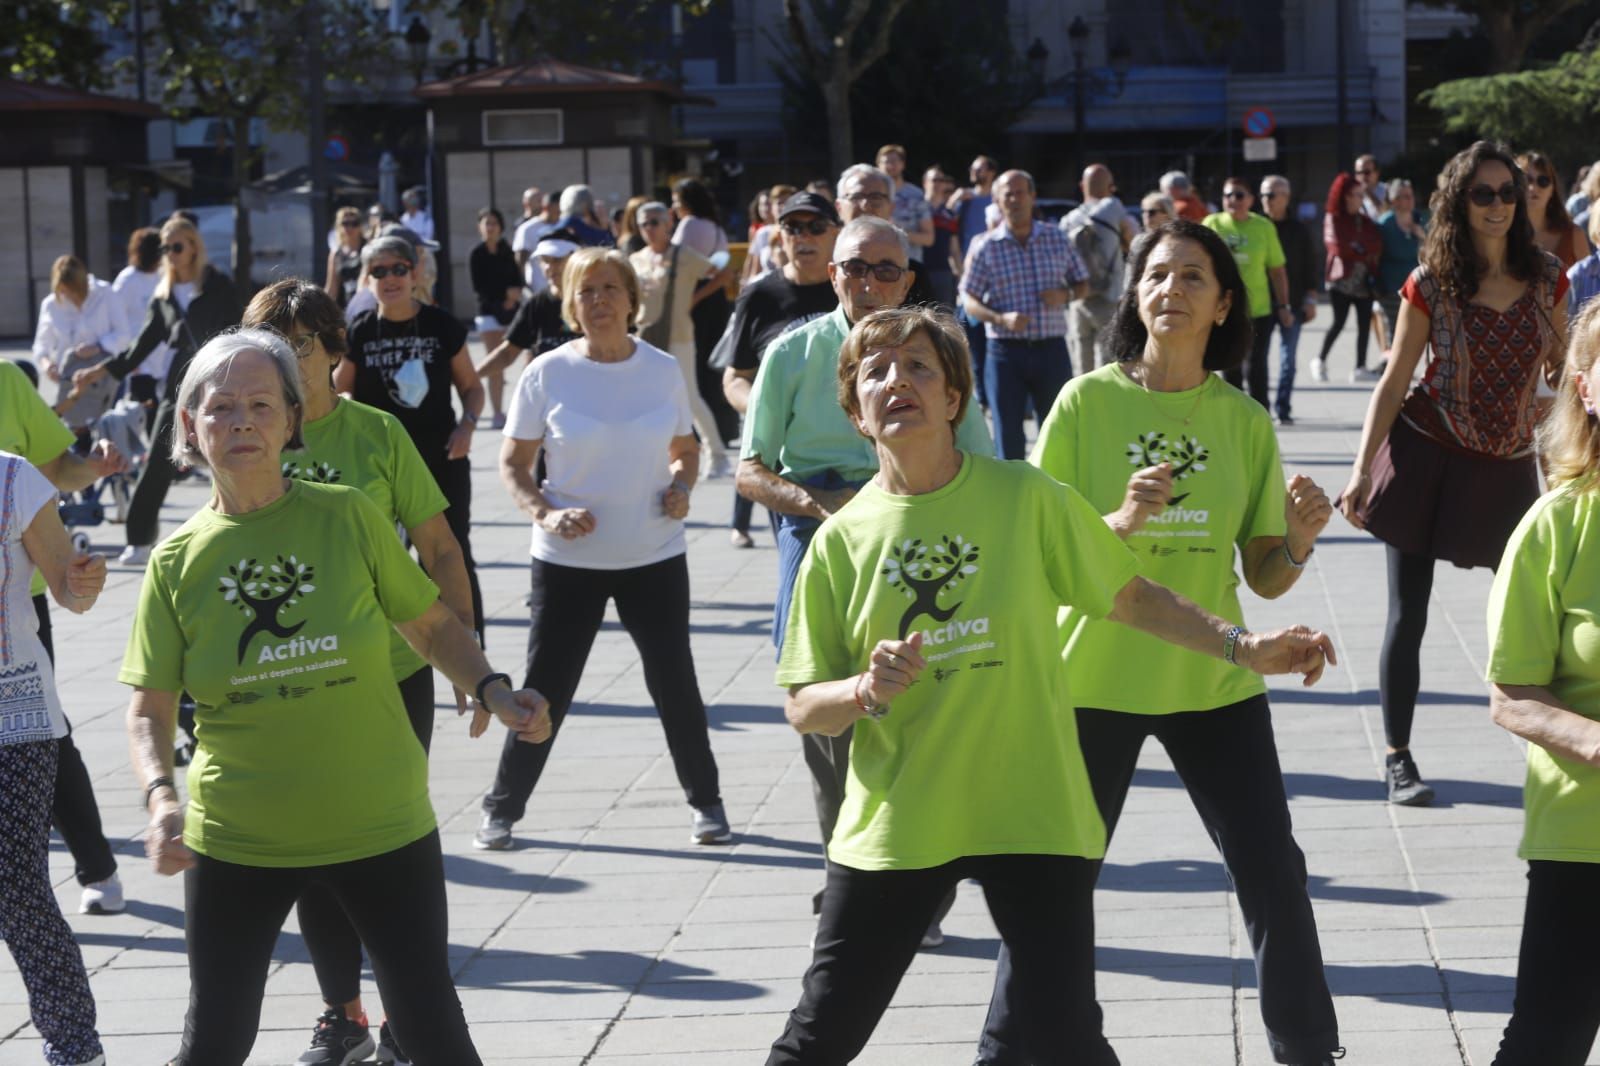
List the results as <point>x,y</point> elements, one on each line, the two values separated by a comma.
<point>103,897</point>
<point>134,555</point>
<point>1319,369</point>
<point>720,466</point>
<point>933,938</point>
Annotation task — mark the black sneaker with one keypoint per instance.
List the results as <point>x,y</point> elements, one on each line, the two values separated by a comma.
<point>388,1048</point>
<point>1406,786</point>
<point>337,1041</point>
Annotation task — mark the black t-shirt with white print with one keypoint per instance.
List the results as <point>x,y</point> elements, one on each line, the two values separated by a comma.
<point>381,351</point>
<point>768,308</point>
<point>537,326</point>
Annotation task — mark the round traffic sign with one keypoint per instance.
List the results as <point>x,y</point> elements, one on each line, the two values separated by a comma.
<point>1258,122</point>
<point>337,149</point>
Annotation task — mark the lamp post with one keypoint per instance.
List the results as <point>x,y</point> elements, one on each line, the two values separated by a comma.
<point>418,38</point>
<point>1078,35</point>
<point>316,136</point>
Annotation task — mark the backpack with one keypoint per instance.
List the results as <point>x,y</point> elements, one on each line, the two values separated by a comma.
<point>1099,244</point>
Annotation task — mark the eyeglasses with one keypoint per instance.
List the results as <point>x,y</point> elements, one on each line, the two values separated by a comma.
<point>1484,195</point>
<point>857,269</point>
<point>175,248</point>
<point>1235,194</point>
<point>399,270</point>
<point>303,345</point>
<point>816,227</point>
<point>874,198</point>
<point>1268,194</point>
<point>1152,212</point>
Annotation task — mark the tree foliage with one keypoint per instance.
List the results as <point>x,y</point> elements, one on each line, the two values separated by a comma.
<point>1511,26</point>
<point>948,88</point>
<point>59,43</point>
<point>1553,109</point>
<point>835,42</point>
<point>631,35</point>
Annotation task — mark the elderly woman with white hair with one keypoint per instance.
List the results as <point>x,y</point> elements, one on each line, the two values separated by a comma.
<point>272,606</point>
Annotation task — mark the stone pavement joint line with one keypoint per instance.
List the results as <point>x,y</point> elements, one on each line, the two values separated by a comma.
<point>605,939</point>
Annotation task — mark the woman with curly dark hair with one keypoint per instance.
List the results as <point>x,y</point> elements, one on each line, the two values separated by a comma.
<point>1446,467</point>
<point>1209,488</point>
<point>1553,228</point>
<point>1355,248</point>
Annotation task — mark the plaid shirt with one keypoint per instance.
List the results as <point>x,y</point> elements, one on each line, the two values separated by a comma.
<point>1005,275</point>
<point>1585,278</point>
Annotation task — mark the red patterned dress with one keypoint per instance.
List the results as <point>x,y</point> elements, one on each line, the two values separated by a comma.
<point>1458,469</point>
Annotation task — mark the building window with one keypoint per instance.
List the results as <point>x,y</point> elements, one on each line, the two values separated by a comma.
<point>522,127</point>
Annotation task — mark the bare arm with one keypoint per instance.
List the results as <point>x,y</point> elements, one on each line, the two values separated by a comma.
<point>75,578</point>
<point>442,558</point>
<point>1411,337</point>
<point>504,354</point>
<point>831,707</point>
<point>1533,713</point>
<point>152,723</point>
<point>711,285</point>
<point>756,481</point>
<point>736,387</point>
<point>439,637</point>
<point>1164,614</point>
<point>331,285</point>
<point>922,236</point>
<point>470,388</point>
<point>70,472</point>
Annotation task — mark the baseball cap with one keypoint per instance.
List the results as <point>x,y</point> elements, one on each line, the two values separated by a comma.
<point>809,203</point>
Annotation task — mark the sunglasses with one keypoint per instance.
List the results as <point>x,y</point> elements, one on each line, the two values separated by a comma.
<point>857,269</point>
<point>399,270</point>
<point>1484,195</point>
<point>175,248</point>
<point>1235,194</point>
<point>816,227</point>
<point>1541,180</point>
<point>351,223</point>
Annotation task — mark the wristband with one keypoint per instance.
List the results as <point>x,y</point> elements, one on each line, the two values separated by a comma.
<point>160,782</point>
<point>1289,557</point>
<point>871,710</point>
<point>1230,645</point>
<point>489,679</point>
<point>469,417</point>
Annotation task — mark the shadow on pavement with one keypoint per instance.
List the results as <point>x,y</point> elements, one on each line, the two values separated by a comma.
<point>465,870</point>
<point>809,852</point>
<point>1185,875</point>
<point>1451,792</point>
<point>588,972</point>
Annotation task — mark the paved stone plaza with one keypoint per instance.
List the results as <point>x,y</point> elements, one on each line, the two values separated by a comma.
<point>605,938</point>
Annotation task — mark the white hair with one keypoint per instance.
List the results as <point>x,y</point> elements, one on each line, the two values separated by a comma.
<point>654,207</point>
<point>575,199</point>
<point>864,170</point>
<point>211,363</point>
<point>865,227</point>
<point>1174,177</point>
<point>1272,181</point>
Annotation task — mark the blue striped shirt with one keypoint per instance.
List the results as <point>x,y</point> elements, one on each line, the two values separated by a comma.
<point>1585,278</point>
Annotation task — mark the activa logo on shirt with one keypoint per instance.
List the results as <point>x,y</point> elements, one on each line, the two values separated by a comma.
<point>923,573</point>
<point>262,592</point>
<point>1187,457</point>
<point>321,473</point>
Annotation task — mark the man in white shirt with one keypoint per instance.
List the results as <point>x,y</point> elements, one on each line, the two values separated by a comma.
<point>530,232</point>
<point>416,216</point>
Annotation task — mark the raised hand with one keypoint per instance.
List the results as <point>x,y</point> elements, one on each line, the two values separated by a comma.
<point>1296,650</point>
<point>893,666</point>
<point>1149,492</point>
<point>1306,511</point>
<point>86,575</point>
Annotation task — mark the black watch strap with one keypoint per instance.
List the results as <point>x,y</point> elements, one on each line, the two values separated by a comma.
<point>488,680</point>
<point>150,789</point>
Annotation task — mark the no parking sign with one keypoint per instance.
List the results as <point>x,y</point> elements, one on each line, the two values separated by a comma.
<point>1258,122</point>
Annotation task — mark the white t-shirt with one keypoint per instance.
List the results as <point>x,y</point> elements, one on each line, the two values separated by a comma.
<point>183,292</point>
<point>135,288</point>
<point>30,710</point>
<point>526,239</point>
<point>418,222</point>
<point>606,428</point>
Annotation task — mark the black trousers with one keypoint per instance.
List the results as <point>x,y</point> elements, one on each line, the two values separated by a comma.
<point>330,936</point>
<point>873,920</point>
<point>396,901</point>
<point>454,478</point>
<point>144,510</point>
<point>75,813</point>
<point>1557,1008</point>
<point>1341,310</point>
<point>1228,761</point>
<point>569,604</point>
<point>1400,660</point>
<point>1255,365</point>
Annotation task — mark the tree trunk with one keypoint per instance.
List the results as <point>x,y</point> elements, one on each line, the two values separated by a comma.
<point>243,254</point>
<point>836,95</point>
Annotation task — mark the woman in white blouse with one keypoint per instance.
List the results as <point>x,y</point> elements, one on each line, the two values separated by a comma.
<point>606,530</point>
<point>81,324</point>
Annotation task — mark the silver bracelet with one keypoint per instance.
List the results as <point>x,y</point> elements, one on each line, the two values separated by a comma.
<point>1289,556</point>
<point>1230,644</point>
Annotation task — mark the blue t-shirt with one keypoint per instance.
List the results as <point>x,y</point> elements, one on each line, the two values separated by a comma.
<point>973,225</point>
<point>1400,253</point>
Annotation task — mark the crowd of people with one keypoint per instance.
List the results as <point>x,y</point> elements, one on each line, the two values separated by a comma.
<point>870,385</point>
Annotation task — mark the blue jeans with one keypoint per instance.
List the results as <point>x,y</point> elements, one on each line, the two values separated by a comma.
<point>793,533</point>
<point>977,346</point>
<point>1017,371</point>
<point>1288,341</point>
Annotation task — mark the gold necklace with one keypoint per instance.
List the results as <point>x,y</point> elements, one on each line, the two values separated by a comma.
<point>1195,407</point>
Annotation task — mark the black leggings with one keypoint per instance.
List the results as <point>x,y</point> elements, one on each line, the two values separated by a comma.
<point>144,510</point>
<point>873,920</point>
<point>1400,662</point>
<point>569,604</point>
<point>329,934</point>
<point>74,811</point>
<point>396,901</point>
<point>1557,1008</point>
<point>454,478</point>
<point>1228,761</point>
<point>1341,309</point>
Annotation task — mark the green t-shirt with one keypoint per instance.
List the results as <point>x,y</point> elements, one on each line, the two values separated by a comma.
<point>1544,629</point>
<point>980,756</point>
<point>1255,247</point>
<point>368,449</point>
<point>30,429</point>
<point>277,623</point>
<point>1228,489</point>
<point>795,425</point>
